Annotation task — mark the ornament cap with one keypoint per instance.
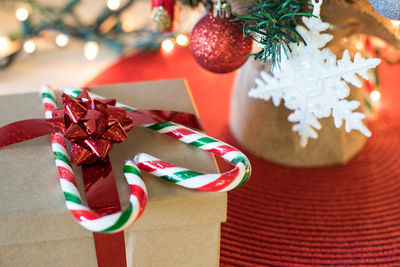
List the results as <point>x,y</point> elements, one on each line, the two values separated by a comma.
<point>161,19</point>
<point>222,9</point>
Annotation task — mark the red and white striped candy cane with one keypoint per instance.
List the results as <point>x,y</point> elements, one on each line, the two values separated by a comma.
<point>84,215</point>
<point>195,180</point>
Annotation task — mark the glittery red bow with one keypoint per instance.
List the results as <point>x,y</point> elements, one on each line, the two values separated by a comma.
<point>92,126</point>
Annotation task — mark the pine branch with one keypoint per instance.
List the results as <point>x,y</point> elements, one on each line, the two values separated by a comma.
<point>272,23</point>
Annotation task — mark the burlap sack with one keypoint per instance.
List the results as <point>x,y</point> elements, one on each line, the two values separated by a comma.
<point>264,130</point>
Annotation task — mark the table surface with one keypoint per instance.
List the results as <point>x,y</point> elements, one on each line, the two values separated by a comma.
<point>284,216</point>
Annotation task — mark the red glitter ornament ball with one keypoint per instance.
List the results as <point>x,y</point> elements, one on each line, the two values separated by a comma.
<point>218,45</point>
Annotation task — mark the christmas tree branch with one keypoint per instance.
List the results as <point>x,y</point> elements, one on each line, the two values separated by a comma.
<point>272,23</point>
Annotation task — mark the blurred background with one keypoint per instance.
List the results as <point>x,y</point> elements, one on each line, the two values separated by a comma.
<point>36,49</point>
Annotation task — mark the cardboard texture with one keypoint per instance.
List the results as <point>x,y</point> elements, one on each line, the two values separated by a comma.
<point>179,227</point>
<point>264,130</point>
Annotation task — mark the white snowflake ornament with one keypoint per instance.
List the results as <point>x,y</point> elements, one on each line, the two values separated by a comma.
<point>313,83</point>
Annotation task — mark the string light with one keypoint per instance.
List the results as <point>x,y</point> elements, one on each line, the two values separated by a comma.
<point>91,49</point>
<point>62,40</point>
<point>4,44</point>
<point>113,4</point>
<point>22,14</point>
<point>168,45</point>
<point>182,40</point>
<point>29,47</point>
<point>375,96</point>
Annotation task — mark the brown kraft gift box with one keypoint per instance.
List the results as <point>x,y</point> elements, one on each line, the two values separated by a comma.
<point>179,227</point>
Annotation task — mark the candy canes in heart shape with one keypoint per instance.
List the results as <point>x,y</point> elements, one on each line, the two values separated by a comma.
<point>138,193</point>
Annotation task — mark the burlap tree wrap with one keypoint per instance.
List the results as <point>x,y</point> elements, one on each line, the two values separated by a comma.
<point>264,130</point>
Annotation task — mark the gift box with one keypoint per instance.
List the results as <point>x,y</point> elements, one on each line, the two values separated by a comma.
<point>180,227</point>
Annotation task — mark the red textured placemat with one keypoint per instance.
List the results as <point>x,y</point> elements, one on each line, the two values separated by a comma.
<point>333,216</point>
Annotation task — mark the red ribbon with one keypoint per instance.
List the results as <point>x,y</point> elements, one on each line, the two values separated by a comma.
<point>93,126</point>
<point>102,196</point>
<point>24,130</point>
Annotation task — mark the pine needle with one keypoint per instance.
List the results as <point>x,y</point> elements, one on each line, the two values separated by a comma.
<point>272,23</point>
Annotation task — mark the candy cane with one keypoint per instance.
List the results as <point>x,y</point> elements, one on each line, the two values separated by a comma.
<point>187,178</point>
<point>86,217</point>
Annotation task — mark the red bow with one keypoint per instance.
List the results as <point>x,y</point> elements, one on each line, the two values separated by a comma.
<point>92,126</point>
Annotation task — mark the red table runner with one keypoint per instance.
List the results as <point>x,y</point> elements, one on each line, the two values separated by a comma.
<point>338,215</point>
